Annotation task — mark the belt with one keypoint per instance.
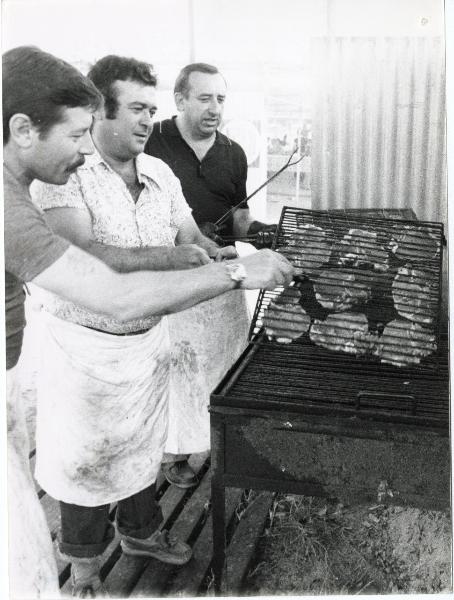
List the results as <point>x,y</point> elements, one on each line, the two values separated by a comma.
<point>112,333</point>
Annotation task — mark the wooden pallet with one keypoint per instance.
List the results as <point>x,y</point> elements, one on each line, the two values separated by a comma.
<point>187,514</point>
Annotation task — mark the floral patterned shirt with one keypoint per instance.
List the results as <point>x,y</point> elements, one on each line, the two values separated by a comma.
<point>154,220</point>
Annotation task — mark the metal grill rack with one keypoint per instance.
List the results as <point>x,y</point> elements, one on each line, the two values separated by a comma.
<point>367,287</point>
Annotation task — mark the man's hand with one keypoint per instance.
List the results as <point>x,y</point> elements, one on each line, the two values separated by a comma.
<point>188,256</point>
<point>226,253</point>
<point>266,269</point>
<point>209,230</point>
<point>264,234</point>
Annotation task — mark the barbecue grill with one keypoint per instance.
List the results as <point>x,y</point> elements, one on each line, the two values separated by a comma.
<point>358,410</point>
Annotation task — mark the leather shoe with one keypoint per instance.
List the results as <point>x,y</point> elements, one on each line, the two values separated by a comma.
<point>160,545</point>
<point>179,473</point>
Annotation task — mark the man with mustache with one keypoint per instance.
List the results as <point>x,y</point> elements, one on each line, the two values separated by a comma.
<point>212,170</point>
<point>102,419</point>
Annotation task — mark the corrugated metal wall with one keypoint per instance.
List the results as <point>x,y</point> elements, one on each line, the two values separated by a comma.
<point>379,132</point>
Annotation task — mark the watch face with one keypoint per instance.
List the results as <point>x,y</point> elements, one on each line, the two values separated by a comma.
<point>237,272</point>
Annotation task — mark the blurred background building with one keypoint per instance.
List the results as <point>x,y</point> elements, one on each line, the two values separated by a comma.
<point>356,85</point>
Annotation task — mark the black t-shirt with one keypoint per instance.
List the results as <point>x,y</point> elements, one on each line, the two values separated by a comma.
<point>211,186</point>
<point>30,247</point>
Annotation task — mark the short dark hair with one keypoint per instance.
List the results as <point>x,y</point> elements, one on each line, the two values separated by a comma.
<point>182,81</point>
<point>40,86</point>
<point>106,71</point>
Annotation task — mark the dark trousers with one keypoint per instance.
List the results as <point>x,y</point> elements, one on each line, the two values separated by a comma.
<point>86,531</point>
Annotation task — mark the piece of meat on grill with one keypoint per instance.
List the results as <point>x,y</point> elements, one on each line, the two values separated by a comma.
<point>285,319</point>
<point>309,248</point>
<point>360,248</point>
<point>403,343</point>
<point>415,294</point>
<point>341,289</point>
<point>414,244</point>
<point>344,332</point>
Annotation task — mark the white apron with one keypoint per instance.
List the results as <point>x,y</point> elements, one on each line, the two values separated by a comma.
<point>32,566</point>
<point>102,423</point>
<point>205,340</point>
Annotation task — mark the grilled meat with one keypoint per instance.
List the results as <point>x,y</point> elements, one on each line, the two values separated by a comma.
<point>360,248</point>
<point>403,343</point>
<point>308,249</point>
<point>415,295</point>
<point>344,332</point>
<point>414,244</point>
<point>284,319</point>
<point>341,289</point>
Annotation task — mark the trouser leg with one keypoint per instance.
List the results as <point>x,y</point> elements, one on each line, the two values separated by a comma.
<point>87,531</point>
<point>139,515</point>
<point>32,566</point>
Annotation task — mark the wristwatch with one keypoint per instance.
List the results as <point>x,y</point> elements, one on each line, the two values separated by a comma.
<point>237,273</point>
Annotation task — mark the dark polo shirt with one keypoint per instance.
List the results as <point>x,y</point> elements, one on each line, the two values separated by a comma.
<point>211,186</point>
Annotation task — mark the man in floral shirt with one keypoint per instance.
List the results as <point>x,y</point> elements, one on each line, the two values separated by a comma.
<point>103,390</point>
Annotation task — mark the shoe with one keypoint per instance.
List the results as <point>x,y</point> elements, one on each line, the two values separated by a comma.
<point>85,580</point>
<point>161,545</point>
<point>88,589</point>
<point>179,473</point>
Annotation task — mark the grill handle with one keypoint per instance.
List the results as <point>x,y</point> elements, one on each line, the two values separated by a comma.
<point>396,402</point>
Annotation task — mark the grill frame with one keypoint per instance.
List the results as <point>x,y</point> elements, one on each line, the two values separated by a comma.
<point>301,447</point>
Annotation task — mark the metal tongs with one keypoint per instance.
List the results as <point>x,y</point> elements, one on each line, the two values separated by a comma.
<point>214,229</point>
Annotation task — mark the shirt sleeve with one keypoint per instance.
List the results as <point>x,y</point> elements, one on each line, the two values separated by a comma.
<point>179,208</point>
<point>47,196</point>
<point>30,244</point>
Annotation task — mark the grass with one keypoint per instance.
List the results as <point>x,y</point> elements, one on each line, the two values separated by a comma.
<point>313,546</point>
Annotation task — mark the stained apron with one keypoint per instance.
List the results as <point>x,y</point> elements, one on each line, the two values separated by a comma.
<point>205,340</point>
<point>102,403</point>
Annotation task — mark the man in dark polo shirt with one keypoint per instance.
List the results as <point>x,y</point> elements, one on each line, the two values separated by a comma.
<point>212,170</point>
<point>211,167</point>
<point>48,110</point>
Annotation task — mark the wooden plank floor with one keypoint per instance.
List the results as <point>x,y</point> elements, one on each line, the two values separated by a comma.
<point>187,514</point>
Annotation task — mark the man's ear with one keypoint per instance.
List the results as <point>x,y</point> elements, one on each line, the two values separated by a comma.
<point>21,130</point>
<point>99,114</point>
<point>179,101</point>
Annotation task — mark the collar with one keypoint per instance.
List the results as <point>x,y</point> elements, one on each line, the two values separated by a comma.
<point>172,129</point>
<point>145,166</point>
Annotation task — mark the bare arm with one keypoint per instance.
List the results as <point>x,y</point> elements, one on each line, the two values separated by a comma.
<point>189,233</point>
<point>87,281</point>
<point>75,225</point>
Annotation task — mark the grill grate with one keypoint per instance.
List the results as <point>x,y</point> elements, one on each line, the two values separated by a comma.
<point>306,378</point>
<point>367,287</point>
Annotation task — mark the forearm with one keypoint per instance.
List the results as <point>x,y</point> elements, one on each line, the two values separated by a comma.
<point>163,293</point>
<point>87,281</point>
<point>126,260</point>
